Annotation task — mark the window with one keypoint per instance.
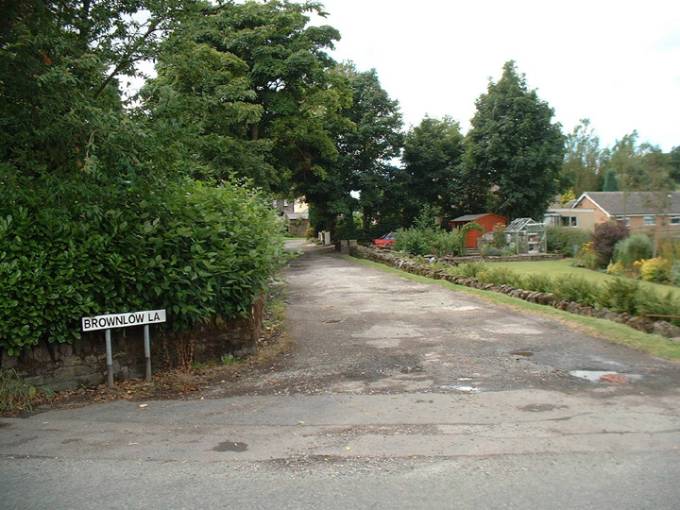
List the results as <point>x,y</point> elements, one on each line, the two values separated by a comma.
<point>650,220</point>
<point>624,219</point>
<point>675,220</point>
<point>568,221</point>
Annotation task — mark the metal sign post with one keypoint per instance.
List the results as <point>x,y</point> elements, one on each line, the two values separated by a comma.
<point>147,352</point>
<point>124,320</point>
<point>109,358</point>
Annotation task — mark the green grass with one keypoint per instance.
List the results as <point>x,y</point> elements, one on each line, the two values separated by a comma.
<point>607,330</point>
<point>564,267</point>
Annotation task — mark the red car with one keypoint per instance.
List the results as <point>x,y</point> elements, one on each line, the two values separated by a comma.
<point>386,241</point>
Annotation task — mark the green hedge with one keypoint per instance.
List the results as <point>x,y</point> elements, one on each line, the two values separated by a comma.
<point>80,246</point>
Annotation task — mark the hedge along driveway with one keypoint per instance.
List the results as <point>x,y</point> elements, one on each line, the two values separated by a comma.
<point>562,267</point>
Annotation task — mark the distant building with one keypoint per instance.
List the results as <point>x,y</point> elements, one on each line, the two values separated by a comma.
<point>295,213</point>
<point>642,211</point>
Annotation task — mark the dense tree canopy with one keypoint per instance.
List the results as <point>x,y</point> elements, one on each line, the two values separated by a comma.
<point>368,150</point>
<point>581,169</point>
<point>514,149</point>
<point>432,173</point>
<point>639,167</point>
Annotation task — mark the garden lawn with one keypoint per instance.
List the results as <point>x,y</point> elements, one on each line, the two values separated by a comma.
<point>565,267</point>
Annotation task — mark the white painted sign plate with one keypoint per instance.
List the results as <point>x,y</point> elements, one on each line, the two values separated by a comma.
<point>123,320</point>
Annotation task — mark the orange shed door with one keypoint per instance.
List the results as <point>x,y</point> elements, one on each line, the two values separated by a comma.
<point>471,239</point>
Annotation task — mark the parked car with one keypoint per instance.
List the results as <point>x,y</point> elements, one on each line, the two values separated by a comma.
<point>386,241</point>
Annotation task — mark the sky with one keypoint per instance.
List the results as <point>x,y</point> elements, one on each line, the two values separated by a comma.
<point>614,62</point>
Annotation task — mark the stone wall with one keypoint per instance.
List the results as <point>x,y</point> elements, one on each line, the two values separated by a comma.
<point>423,268</point>
<point>63,366</point>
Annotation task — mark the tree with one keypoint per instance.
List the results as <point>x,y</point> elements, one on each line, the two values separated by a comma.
<point>293,81</point>
<point>582,160</point>
<point>61,63</point>
<point>514,150</point>
<point>674,157</point>
<point>432,175</point>
<point>639,167</point>
<point>610,181</point>
<point>367,150</point>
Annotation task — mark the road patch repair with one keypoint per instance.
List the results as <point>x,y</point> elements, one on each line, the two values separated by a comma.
<point>396,391</point>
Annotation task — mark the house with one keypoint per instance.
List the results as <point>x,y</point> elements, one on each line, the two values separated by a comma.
<point>295,214</point>
<point>649,212</point>
<point>486,220</point>
<point>564,215</point>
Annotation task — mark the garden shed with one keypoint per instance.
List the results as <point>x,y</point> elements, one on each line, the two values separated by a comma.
<point>486,220</point>
<point>527,235</point>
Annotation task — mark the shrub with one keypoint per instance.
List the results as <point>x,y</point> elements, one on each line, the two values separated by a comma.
<point>605,237</point>
<point>635,247</point>
<point>586,257</point>
<point>570,288</point>
<point>675,273</point>
<point>413,240</point>
<point>616,268</point>
<point>471,269</point>
<point>445,243</point>
<point>499,276</point>
<point>15,394</point>
<point>655,270</point>
<point>78,246</point>
<point>537,282</point>
<point>428,241</point>
<point>489,250</point>
<point>499,239</point>
<point>670,249</point>
<point>566,240</point>
<point>652,303</point>
<point>620,295</point>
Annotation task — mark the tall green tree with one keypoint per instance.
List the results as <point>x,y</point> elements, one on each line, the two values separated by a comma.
<point>432,173</point>
<point>514,149</point>
<point>61,64</point>
<point>280,64</point>
<point>582,160</point>
<point>611,183</point>
<point>368,149</point>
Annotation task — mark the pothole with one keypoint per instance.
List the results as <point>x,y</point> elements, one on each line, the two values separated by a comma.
<point>332,321</point>
<point>604,376</point>
<point>540,408</point>
<point>231,446</point>
<point>526,354</point>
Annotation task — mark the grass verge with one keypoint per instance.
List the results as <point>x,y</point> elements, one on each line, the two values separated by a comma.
<point>604,329</point>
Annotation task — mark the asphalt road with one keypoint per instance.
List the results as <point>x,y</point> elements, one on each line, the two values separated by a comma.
<point>397,395</point>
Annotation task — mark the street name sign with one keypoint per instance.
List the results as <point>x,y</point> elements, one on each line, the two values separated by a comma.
<point>123,320</point>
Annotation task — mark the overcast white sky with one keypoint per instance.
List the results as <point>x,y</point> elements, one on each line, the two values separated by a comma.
<point>615,62</point>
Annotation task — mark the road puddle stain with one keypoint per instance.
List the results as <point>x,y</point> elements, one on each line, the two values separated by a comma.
<point>604,376</point>
<point>231,446</point>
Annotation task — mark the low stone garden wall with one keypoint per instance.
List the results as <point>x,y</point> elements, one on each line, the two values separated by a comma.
<point>501,258</point>
<point>83,363</point>
<point>423,268</point>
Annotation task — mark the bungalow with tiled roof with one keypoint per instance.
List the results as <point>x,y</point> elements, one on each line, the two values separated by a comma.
<point>642,211</point>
